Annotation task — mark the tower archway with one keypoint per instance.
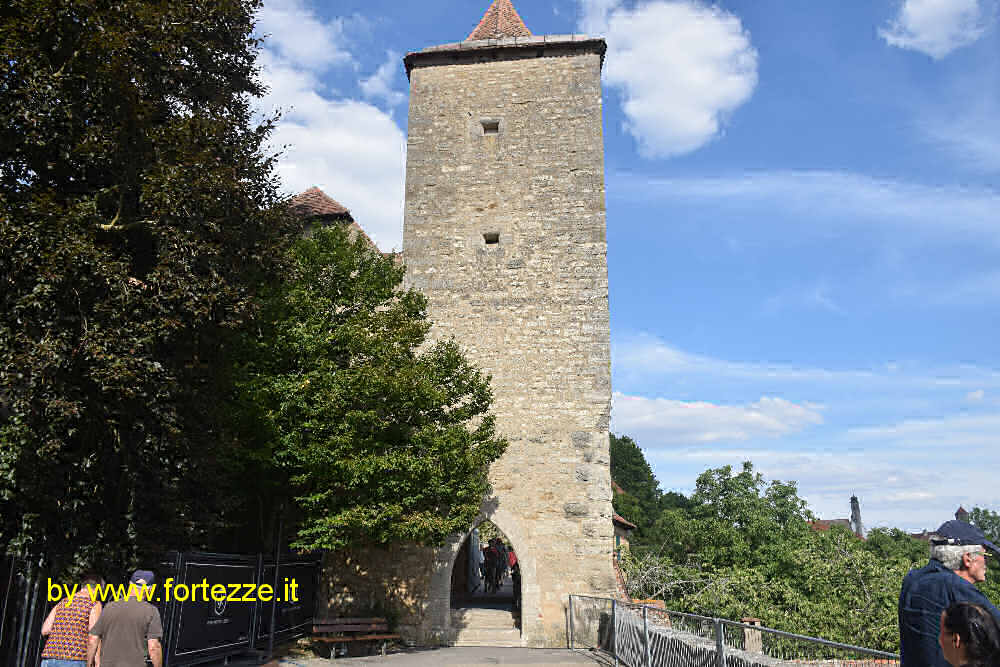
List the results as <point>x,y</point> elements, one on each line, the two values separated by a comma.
<point>455,617</point>
<point>486,573</point>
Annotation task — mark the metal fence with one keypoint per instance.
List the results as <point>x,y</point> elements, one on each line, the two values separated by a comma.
<point>636,635</point>
<point>22,610</point>
<point>196,630</point>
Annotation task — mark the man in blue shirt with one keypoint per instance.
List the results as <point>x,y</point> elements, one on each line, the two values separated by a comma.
<point>958,562</point>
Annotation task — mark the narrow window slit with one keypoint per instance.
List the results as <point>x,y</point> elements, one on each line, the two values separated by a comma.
<point>491,238</point>
<point>490,127</point>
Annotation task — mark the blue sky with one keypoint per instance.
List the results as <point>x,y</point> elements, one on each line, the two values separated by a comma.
<point>803,222</point>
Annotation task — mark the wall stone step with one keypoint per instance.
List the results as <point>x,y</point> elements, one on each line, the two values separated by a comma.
<point>483,627</point>
<point>486,637</point>
<point>481,618</point>
<point>496,644</point>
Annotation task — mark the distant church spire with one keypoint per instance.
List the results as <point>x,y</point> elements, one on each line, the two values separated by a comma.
<point>856,525</point>
<point>500,20</point>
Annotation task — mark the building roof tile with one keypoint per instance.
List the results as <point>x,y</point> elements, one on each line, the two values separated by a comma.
<point>316,202</point>
<point>500,20</point>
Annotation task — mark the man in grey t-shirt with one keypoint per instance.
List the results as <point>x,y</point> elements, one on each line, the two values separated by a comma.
<point>128,629</point>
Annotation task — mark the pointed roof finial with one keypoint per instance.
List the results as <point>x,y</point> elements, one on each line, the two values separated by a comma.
<point>500,20</point>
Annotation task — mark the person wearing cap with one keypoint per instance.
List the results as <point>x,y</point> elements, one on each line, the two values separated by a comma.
<point>128,629</point>
<point>957,564</point>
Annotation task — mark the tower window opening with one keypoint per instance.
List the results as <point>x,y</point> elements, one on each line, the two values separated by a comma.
<point>490,127</point>
<point>491,238</point>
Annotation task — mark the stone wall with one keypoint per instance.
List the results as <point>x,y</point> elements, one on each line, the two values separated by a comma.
<point>392,582</point>
<point>507,145</point>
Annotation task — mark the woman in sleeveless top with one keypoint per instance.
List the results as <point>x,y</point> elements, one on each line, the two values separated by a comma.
<point>68,627</point>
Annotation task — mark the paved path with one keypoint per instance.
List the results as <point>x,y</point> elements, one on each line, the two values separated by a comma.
<point>455,656</point>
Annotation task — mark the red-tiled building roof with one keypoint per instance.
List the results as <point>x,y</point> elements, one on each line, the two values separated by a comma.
<point>315,202</point>
<point>500,20</point>
<point>824,525</point>
<point>622,521</point>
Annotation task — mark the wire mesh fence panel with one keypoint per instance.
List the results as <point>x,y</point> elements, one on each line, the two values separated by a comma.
<point>630,643</point>
<point>645,636</point>
<point>590,622</point>
<point>747,645</point>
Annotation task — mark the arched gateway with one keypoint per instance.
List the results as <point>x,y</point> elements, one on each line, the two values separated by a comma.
<point>443,620</point>
<point>504,232</point>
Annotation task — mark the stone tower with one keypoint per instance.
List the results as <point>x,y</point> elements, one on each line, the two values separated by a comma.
<point>856,525</point>
<point>504,232</point>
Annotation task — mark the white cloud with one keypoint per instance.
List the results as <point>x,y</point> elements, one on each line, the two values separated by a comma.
<point>647,361</point>
<point>839,198</point>
<point>895,488</point>
<point>682,68</point>
<point>667,422</point>
<point>889,434</point>
<point>349,148</point>
<point>937,27</point>
<point>379,84</point>
<point>952,433</point>
<point>295,33</point>
<point>963,123</point>
<point>645,355</point>
<point>974,139</point>
<point>892,491</point>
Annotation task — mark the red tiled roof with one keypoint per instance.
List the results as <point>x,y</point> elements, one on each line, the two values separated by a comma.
<point>316,202</point>
<point>825,524</point>
<point>500,20</point>
<point>616,488</point>
<point>619,519</point>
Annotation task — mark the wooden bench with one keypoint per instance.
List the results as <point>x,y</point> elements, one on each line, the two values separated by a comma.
<point>342,630</point>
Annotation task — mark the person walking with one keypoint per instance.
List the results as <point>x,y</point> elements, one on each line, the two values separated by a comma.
<point>958,555</point>
<point>67,626</point>
<point>128,629</point>
<point>515,578</point>
<point>970,636</point>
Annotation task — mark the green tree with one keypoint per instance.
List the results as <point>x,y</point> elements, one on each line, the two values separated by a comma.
<point>744,547</point>
<point>628,506</point>
<point>988,521</point>
<point>384,436</point>
<point>631,471</point>
<point>739,515</point>
<point>138,215</point>
<point>896,544</point>
<point>640,500</point>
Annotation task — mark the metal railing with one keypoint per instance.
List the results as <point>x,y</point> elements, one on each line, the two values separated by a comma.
<point>22,610</point>
<point>636,635</point>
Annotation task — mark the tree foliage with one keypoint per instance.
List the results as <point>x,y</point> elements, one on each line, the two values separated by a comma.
<point>632,473</point>
<point>742,546</point>
<point>138,216</point>
<point>384,436</point>
<point>640,499</point>
<point>988,521</point>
